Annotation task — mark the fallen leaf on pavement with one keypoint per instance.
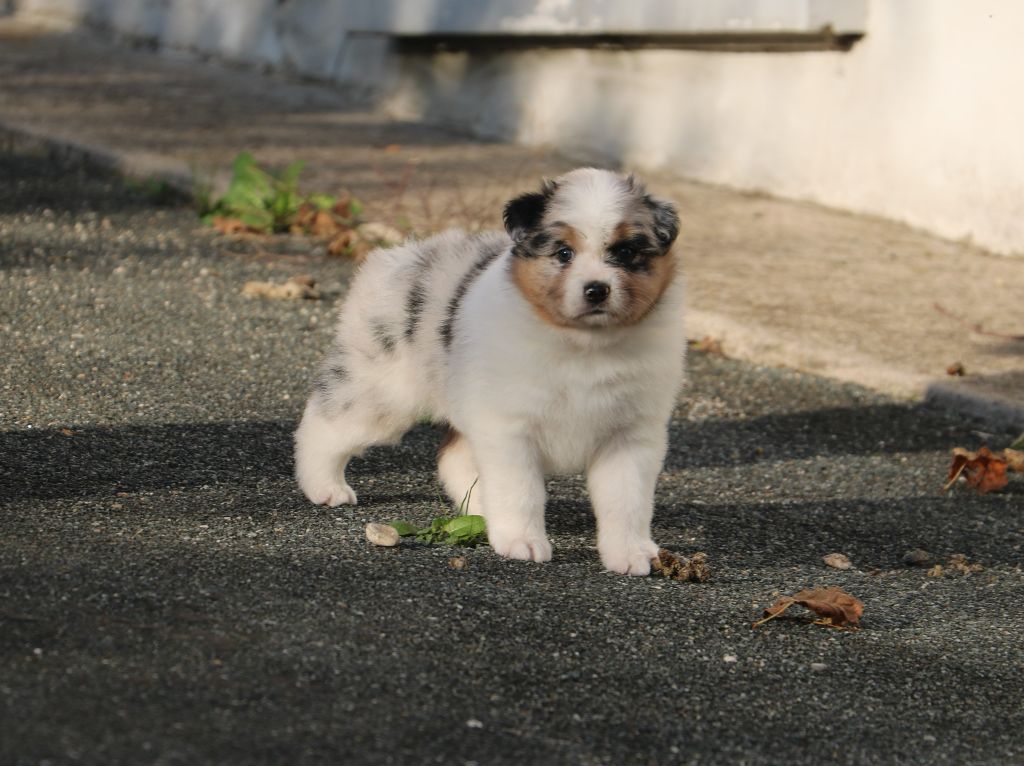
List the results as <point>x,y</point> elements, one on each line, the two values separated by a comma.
<point>227,225</point>
<point>1014,459</point>
<point>295,288</point>
<point>957,563</point>
<point>982,470</point>
<point>956,370</point>
<point>693,569</point>
<point>835,607</point>
<point>709,345</point>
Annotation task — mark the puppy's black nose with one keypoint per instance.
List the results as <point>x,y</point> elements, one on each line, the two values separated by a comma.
<point>596,292</point>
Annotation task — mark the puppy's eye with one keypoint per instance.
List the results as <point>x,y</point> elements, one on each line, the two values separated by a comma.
<point>564,255</point>
<point>625,255</point>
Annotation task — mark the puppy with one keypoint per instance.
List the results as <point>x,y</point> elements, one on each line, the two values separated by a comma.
<point>556,347</point>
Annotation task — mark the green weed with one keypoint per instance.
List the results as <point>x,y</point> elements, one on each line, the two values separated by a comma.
<point>265,202</point>
<point>462,529</point>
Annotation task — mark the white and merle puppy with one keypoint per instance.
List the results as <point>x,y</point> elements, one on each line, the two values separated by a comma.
<point>555,348</point>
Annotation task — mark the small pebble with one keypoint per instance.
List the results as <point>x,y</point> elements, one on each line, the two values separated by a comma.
<point>917,558</point>
<point>837,561</point>
<point>730,658</point>
<point>382,534</point>
<point>817,667</point>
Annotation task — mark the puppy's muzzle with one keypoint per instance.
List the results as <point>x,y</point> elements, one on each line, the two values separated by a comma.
<point>596,293</point>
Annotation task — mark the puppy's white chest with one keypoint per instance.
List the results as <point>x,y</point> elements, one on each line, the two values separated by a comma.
<point>576,419</point>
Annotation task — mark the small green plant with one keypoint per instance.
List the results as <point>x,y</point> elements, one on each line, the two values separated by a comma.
<point>462,529</point>
<point>1018,443</point>
<point>264,202</point>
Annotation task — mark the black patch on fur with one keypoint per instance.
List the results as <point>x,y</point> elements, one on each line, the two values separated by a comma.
<point>666,220</point>
<point>382,335</point>
<point>485,260</point>
<point>633,253</point>
<point>330,376</point>
<point>417,296</point>
<point>524,214</point>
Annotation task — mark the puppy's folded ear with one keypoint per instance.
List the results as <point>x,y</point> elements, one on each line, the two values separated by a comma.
<point>523,214</point>
<point>666,220</point>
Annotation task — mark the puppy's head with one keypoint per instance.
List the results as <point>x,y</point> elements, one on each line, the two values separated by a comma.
<point>592,249</point>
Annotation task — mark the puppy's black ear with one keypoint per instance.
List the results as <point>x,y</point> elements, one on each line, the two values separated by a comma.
<point>666,220</point>
<point>524,213</point>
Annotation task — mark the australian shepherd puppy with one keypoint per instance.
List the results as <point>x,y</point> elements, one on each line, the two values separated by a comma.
<point>556,347</point>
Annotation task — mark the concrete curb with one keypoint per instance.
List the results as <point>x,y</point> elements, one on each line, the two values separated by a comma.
<point>134,165</point>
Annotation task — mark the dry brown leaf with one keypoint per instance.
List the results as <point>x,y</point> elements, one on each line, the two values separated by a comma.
<point>1014,459</point>
<point>693,569</point>
<point>296,288</point>
<point>956,370</point>
<point>229,225</point>
<point>710,345</point>
<point>324,224</point>
<point>935,571</point>
<point>836,607</point>
<point>343,207</point>
<point>982,470</point>
<point>958,563</point>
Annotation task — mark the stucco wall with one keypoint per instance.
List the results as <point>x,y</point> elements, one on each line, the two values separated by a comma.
<point>922,121</point>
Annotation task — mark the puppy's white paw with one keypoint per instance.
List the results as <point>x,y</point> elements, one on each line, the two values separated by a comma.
<point>521,547</point>
<point>629,558</point>
<point>329,493</point>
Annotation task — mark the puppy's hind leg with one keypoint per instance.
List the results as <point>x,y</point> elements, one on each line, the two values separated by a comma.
<point>327,438</point>
<point>458,472</point>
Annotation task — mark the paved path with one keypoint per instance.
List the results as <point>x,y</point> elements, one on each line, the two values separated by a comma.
<point>776,282</point>
<point>167,596</point>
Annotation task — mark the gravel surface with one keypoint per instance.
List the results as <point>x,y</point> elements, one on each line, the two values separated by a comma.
<point>167,596</point>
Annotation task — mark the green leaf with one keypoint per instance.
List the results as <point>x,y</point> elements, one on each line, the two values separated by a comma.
<point>404,528</point>
<point>289,177</point>
<point>322,201</point>
<point>466,530</point>
<point>1018,443</point>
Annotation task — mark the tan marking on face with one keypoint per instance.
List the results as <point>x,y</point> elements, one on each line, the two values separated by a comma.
<point>541,279</point>
<point>542,283</point>
<point>624,230</point>
<point>570,236</point>
<point>643,291</point>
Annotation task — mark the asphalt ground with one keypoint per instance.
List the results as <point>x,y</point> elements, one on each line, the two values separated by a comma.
<point>168,596</point>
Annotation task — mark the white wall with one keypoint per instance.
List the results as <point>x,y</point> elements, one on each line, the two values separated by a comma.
<point>922,121</point>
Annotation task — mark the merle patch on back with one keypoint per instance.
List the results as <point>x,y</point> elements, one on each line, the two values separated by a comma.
<point>448,326</point>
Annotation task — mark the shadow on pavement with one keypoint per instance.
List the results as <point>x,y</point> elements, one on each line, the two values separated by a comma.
<point>105,460</point>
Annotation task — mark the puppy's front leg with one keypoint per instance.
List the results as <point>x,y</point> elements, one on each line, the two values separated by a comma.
<point>621,480</point>
<point>512,489</point>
